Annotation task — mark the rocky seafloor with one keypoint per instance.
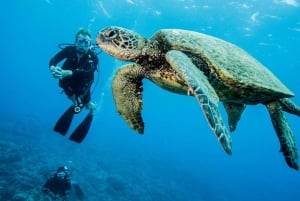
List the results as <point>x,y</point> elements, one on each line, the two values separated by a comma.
<point>31,153</point>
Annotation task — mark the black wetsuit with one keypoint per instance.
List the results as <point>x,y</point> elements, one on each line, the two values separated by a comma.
<point>58,185</point>
<point>80,82</point>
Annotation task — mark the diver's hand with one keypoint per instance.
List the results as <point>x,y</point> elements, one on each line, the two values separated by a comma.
<point>59,73</point>
<point>55,71</point>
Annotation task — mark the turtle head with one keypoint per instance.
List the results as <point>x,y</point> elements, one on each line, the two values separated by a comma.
<point>121,43</point>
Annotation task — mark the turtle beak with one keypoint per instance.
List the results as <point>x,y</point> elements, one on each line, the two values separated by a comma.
<point>109,41</point>
<point>104,42</point>
<point>101,39</point>
<point>106,36</point>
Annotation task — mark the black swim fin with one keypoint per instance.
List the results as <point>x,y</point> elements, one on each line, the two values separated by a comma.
<point>82,130</point>
<point>64,122</point>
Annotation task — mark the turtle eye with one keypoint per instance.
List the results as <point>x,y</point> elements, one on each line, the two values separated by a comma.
<point>112,34</point>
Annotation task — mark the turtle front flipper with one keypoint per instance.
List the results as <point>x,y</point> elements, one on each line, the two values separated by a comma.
<point>127,93</point>
<point>204,93</point>
<point>284,133</point>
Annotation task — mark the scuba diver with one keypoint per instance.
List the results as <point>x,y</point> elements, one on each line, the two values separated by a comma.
<point>76,76</point>
<point>60,187</point>
<point>59,184</point>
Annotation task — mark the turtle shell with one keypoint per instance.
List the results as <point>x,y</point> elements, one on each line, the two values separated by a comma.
<point>234,74</point>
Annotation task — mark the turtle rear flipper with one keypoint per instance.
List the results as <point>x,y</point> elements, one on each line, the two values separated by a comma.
<point>204,93</point>
<point>284,133</point>
<point>290,107</point>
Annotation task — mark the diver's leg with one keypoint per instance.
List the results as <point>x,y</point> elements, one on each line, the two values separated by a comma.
<point>70,92</point>
<point>73,99</point>
<point>86,100</point>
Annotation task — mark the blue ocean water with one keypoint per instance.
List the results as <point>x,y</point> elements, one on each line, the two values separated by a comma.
<point>178,158</point>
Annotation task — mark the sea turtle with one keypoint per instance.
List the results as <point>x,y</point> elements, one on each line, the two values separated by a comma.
<point>206,67</point>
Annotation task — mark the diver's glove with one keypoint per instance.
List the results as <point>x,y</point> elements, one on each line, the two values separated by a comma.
<point>59,73</point>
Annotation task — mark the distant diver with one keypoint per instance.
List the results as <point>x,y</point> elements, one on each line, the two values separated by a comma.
<point>59,184</point>
<point>60,187</point>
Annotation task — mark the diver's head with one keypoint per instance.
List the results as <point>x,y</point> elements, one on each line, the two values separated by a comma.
<point>62,172</point>
<point>83,40</point>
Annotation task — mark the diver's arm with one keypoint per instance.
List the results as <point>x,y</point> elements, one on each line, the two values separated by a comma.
<point>55,70</point>
<point>61,55</point>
